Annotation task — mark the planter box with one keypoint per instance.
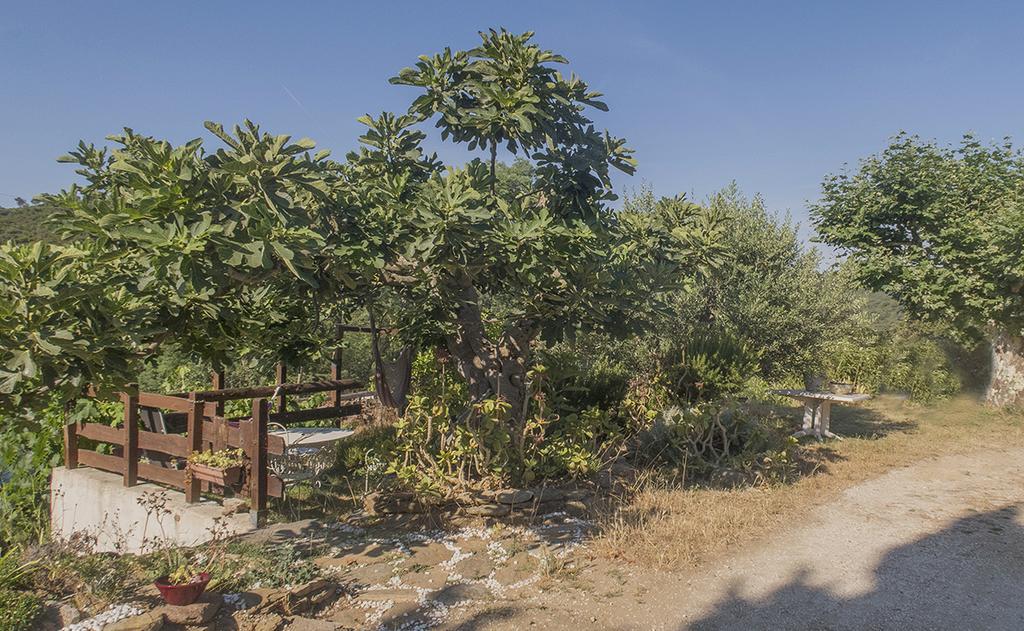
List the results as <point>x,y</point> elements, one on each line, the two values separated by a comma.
<point>838,387</point>
<point>221,477</point>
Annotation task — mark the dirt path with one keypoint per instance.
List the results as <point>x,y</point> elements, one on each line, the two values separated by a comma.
<point>936,545</point>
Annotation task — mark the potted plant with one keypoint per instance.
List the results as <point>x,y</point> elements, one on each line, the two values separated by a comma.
<point>841,387</point>
<point>181,581</point>
<point>223,467</point>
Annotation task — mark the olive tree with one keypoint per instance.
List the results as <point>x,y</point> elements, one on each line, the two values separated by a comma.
<point>769,294</point>
<point>488,270</point>
<point>941,230</point>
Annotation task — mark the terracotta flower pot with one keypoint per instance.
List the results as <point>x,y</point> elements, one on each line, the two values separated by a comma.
<point>182,594</point>
<point>221,477</point>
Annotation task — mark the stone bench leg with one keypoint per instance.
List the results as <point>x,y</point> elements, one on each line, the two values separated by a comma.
<point>817,420</point>
<point>825,421</point>
<point>809,426</point>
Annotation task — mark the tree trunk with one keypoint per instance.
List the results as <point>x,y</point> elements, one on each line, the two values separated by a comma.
<point>492,369</point>
<point>1007,382</point>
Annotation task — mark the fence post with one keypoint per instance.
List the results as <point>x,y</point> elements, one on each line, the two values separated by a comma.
<point>217,381</point>
<point>70,441</point>
<point>220,426</point>
<point>130,399</point>
<point>282,377</point>
<point>258,462</point>
<point>336,364</point>
<point>195,443</point>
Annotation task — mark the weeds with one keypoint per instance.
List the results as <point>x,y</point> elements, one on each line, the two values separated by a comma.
<point>667,523</point>
<point>18,610</point>
<point>94,579</point>
<point>279,565</point>
<point>15,572</point>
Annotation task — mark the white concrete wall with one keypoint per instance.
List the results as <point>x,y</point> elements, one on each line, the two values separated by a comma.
<point>97,505</point>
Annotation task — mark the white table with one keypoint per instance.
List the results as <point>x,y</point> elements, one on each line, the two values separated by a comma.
<point>308,451</point>
<point>818,410</point>
<point>310,436</point>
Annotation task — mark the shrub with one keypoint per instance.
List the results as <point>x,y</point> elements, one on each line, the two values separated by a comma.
<point>588,376</point>
<point>26,458</point>
<point>706,442</point>
<point>769,294</point>
<point>892,354</point>
<point>709,366</point>
<point>439,447</point>
<point>442,443</point>
<point>576,444</point>
<point>18,610</point>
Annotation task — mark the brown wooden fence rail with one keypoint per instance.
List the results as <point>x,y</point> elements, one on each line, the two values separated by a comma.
<point>139,454</point>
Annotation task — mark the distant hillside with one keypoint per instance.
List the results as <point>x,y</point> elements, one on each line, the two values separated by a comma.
<point>25,224</point>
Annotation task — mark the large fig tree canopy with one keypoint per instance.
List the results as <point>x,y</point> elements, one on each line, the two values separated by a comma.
<point>488,269</point>
<point>254,244</point>
<point>221,252</point>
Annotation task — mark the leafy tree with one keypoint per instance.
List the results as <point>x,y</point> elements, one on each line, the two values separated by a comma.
<point>768,295</point>
<point>224,252</point>
<point>249,248</point>
<point>66,320</point>
<point>488,269</point>
<point>941,230</point>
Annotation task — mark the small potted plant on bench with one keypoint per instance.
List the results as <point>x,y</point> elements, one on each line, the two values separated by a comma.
<point>223,467</point>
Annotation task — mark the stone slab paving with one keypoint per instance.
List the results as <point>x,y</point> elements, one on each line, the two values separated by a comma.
<point>389,577</point>
<point>416,580</point>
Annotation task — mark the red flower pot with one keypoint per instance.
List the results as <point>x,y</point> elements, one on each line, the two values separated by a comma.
<point>182,594</point>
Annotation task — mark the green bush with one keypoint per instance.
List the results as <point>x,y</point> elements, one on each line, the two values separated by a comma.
<point>580,378</point>
<point>888,353</point>
<point>711,440</point>
<point>770,294</point>
<point>18,610</point>
<point>26,457</point>
<point>441,445</point>
<point>708,367</point>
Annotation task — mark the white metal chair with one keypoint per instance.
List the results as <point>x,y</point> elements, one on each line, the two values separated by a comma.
<point>308,451</point>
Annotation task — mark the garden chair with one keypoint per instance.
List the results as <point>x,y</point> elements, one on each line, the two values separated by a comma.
<point>308,452</point>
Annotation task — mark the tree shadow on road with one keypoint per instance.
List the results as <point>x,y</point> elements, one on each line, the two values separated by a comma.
<point>969,575</point>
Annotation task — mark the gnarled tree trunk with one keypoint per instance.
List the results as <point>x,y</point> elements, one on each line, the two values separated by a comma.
<point>1007,382</point>
<point>491,368</point>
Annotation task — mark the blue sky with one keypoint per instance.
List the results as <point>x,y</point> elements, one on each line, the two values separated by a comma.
<point>773,95</point>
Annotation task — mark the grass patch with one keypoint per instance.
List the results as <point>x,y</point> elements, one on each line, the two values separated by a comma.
<point>669,526</point>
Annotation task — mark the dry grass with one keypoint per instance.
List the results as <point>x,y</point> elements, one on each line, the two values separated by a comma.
<point>678,527</point>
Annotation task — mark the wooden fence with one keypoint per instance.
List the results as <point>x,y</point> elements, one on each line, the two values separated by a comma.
<point>138,454</point>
